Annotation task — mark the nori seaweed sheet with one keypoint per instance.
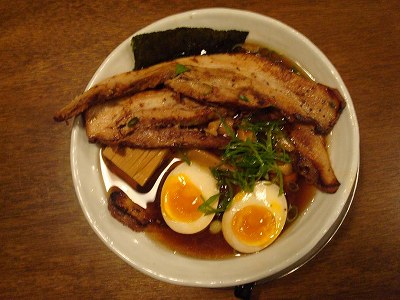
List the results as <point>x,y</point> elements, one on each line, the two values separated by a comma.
<point>155,47</point>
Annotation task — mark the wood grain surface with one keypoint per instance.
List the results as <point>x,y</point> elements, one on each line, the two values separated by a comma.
<point>49,50</point>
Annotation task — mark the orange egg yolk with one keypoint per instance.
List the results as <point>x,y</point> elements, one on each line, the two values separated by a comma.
<point>254,225</point>
<point>181,198</point>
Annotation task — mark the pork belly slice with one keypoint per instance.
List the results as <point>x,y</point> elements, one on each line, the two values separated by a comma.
<point>127,212</point>
<point>110,122</point>
<point>311,158</point>
<point>117,86</point>
<point>234,80</point>
<point>251,81</point>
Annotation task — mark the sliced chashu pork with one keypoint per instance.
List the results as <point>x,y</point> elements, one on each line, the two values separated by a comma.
<point>129,213</point>
<point>153,119</point>
<point>240,80</point>
<point>312,158</point>
<point>117,86</point>
<point>251,81</point>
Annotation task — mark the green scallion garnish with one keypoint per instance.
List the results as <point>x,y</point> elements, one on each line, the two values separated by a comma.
<point>249,161</point>
<point>244,98</point>
<point>132,122</point>
<point>179,69</point>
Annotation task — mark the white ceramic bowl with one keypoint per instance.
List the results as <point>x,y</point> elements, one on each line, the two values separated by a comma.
<point>297,244</point>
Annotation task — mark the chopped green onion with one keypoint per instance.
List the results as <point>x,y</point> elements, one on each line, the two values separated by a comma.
<point>132,122</point>
<point>179,69</point>
<point>206,206</point>
<point>250,160</point>
<point>185,158</point>
<point>244,98</point>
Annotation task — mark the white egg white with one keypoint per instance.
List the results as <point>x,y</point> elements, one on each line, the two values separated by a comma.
<point>265,194</point>
<point>202,178</point>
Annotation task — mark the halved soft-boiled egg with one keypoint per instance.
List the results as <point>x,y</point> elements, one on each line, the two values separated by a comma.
<point>184,190</point>
<point>254,220</point>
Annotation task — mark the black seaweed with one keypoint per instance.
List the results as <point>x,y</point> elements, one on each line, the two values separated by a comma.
<point>155,47</point>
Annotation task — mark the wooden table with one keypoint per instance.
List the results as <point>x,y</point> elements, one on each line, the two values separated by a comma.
<point>49,50</point>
